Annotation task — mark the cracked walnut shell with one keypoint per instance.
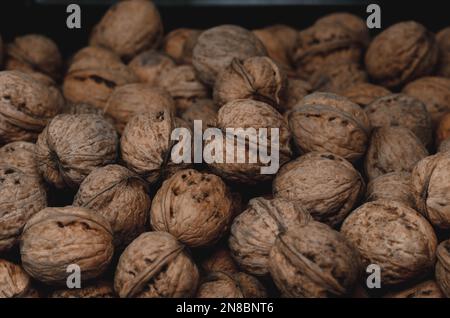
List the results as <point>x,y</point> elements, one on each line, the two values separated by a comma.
<point>14,281</point>
<point>443,267</point>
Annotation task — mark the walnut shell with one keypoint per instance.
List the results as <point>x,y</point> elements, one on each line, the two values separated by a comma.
<point>329,122</point>
<point>150,65</point>
<point>202,109</point>
<point>443,267</point>
<point>325,185</point>
<point>83,108</point>
<point>14,281</point>
<point>337,76</point>
<point>314,261</point>
<point>216,47</point>
<point>179,44</point>
<point>364,93</point>
<point>393,236</point>
<point>296,90</point>
<point>120,196</point>
<point>26,106</point>
<point>392,149</point>
<point>401,53</point>
<point>443,129</point>
<point>426,289</point>
<point>71,146</point>
<point>394,186</point>
<point>99,289</point>
<point>155,265</point>
<point>445,145</point>
<point>55,238</point>
<point>219,261</point>
<point>20,155</point>
<point>254,231</point>
<point>443,41</point>
<point>194,207</point>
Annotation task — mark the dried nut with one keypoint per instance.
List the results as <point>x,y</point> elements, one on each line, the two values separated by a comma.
<point>255,230</point>
<point>401,53</point>
<point>393,236</point>
<point>329,122</point>
<point>219,261</point>
<point>150,65</point>
<point>34,52</point>
<point>21,196</point>
<point>71,146</point>
<point>14,281</point>
<point>443,267</point>
<point>365,93</point>
<point>202,109</point>
<point>443,41</point>
<point>20,155</point>
<point>445,145</point>
<point>325,185</point>
<point>335,77</point>
<point>296,90</point>
<point>216,48</point>
<point>128,28</point>
<point>314,261</point>
<point>93,75</point>
<point>257,78</point>
<point>426,289</point>
<point>83,108</point>
<point>128,100</point>
<point>99,289</point>
<point>121,197</point>
<point>392,149</point>
<point>443,129</point>
<point>394,186</point>
<point>26,106</point>
<point>155,265</point>
<point>431,188</point>
<point>179,44</point>
<point>230,285</point>
<point>56,238</point>
<point>194,207</point>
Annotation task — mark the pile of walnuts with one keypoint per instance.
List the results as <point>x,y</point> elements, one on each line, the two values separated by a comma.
<point>88,179</point>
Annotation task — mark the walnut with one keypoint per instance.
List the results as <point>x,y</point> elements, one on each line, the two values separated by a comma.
<point>445,145</point>
<point>14,281</point>
<point>443,267</point>
<point>179,44</point>
<point>329,122</point>
<point>314,260</point>
<point>71,146</point>
<point>325,185</point>
<point>404,111</point>
<point>443,41</point>
<point>150,65</point>
<point>120,196</point>
<point>194,207</point>
<point>101,289</point>
<point>443,129</point>
<point>364,93</point>
<point>55,238</point>
<point>202,109</point>
<point>392,149</point>
<point>426,289</point>
<point>230,285</point>
<point>84,108</point>
<point>26,106</point>
<point>216,47</point>
<point>20,155</point>
<point>394,186</point>
<point>155,265</point>
<point>393,236</point>
<point>296,90</point>
<point>219,261</point>
<point>254,231</point>
<point>401,53</point>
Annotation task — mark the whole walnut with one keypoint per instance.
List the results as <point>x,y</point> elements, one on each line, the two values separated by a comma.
<point>216,47</point>
<point>14,281</point>
<point>443,129</point>
<point>329,122</point>
<point>325,185</point>
<point>179,44</point>
<point>56,238</point>
<point>254,231</point>
<point>204,110</point>
<point>257,78</point>
<point>156,265</point>
<point>21,156</point>
<point>314,260</point>
<point>128,28</point>
<point>193,206</point>
<point>34,52</point>
<point>127,100</point>
<point>71,146</point>
<point>393,236</point>
<point>101,289</point>
<point>445,145</point>
<point>443,42</point>
<point>296,90</point>
<point>120,196</point>
<point>219,261</point>
<point>392,149</point>
<point>230,285</point>
<point>394,186</point>
<point>426,289</point>
<point>404,111</point>
<point>84,108</point>
<point>443,267</point>
<point>26,106</point>
<point>431,188</point>
<point>150,65</point>
<point>401,53</point>
<point>364,93</point>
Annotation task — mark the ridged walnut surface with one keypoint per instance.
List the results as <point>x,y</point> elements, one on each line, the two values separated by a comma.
<point>443,267</point>
<point>20,155</point>
<point>150,65</point>
<point>427,289</point>
<point>100,289</point>
<point>364,93</point>
<point>443,129</point>
<point>179,44</point>
<point>14,281</point>
<point>336,77</point>
<point>204,110</point>
<point>219,261</point>
<point>394,186</point>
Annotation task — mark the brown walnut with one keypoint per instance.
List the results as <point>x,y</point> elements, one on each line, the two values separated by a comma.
<point>150,65</point>
<point>443,267</point>
<point>335,77</point>
<point>443,129</point>
<point>179,44</point>
<point>101,289</point>
<point>426,289</point>
<point>296,90</point>
<point>445,145</point>
<point>393,186</point>
<point>364,93</point>
<point>219,261</point>
<point>443,42</point>
<point>20,155</point>
<point>204,110</point>
<point>14,281</point>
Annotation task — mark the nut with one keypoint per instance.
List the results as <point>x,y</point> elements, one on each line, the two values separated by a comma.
<point>101,289</point>
<point>364,93</point>
<point>443,267</point>
<point>83,108</point>
<point>179,44</point>
<point>296,90</point>
<point>150,65</point>
<point>443,41</point>
<point>445,145</point>
<point>426,289</point>
<point>14,281</point>
<point>204,110</point>
<point>443,129</point>
<point>21,156</point>
<point>219,261</point>
<point>394,186</point>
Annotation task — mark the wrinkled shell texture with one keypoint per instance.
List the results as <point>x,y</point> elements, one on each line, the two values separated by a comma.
<point>225,285</point>
<point>71,146</point>
<point>296,90</point>
<point>443,267</point>
<point>329,122</point>
<point>150,65</point>
<point>55,238</point>
<point>427,289</point>
<point>254,231</point>
<point>204,110</point>
<point>279,41</point>
<point>443,129</point>
<point>98,290</point>
<point>445,145</point>
<point>325,185</point>
<point>392,149</point>
<point>401,53</point>
<point>216,47</point>
<point>14,281</point>
<point>394,237</point>
<point>314,261</point>
<point>155,265</point>
<point>20,155</point>
<point>219,261</point>
<point>179,44</point>
<point>443,41</point>
<point>365,93</point>
<point>194,207</point>
<point>120,196</point>
<point>394,186</point>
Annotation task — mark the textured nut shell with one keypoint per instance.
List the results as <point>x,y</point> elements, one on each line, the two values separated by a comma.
<point>393,236</point>
<point>99,289</point>
<point>71,146</point>
<point>335,77</point>
<point>55,238</point>
<point>216,47</point>
<point>155,265</point>
<point>426,289</point>
<point>325,185</point>
<point>194,207</point>
<point>254,231</point>
<point>443,41</point>
<point>20,155</point>
<point>150,65</point>
<point>296,90</point>
<point>313,261</point>
<point>443,129</point>
<point>14,281</point>
<point>443,267</point>
<point>401,53</point>
<point>179,44</point>
<point>83,108</point>
<point>445,145</point>
<point>219,261</point>
<point>394,186</point>
<point>364,93</point>
<point>120,196</point>
<point>202,109</point>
